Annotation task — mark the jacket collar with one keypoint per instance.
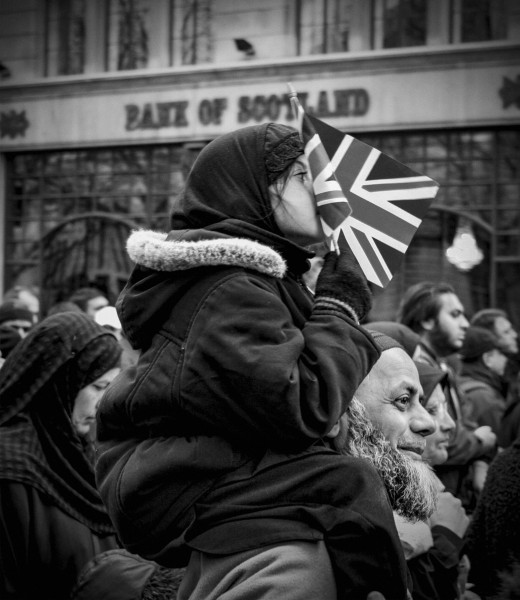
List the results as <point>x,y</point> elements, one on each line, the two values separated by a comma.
<point>182,250</point>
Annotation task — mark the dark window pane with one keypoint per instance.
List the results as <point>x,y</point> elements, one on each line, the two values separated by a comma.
<point>483,20</point>
<point>196,32</point>
<point>69,29</point>
<point>404,23</point>
<point>436,146</point>
<point>509,195</point>
<point>436,170</point>
<point>482,170</point>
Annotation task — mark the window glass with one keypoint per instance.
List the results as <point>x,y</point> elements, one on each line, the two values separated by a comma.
<point>194,28</point>
<point>66,37</point>
<point>483,20</point>
<point>128,34</point>
<point>404,23</point>
<point>324,26</point>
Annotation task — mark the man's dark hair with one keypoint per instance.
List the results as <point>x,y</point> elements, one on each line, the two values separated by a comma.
<point>82,296</point>
<point>487,317</point>
<point>421,302</point>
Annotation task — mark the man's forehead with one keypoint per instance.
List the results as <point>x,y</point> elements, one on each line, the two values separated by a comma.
<point>394,367</point>
<point>450,301</point>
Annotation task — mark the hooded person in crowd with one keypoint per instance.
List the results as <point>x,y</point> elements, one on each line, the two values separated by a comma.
<point>52,520</point>
<point>440,571</point>
<point>211,448</point>
<point>497,321</point>
<point>483,365</point>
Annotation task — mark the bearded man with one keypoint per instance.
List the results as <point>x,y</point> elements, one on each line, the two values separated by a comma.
<point>386,424</point>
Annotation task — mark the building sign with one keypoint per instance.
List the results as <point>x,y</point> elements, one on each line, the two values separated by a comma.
<point>349,101</point>
<point>13,124</point>
<point>249,109</point>
<point>510,92</point>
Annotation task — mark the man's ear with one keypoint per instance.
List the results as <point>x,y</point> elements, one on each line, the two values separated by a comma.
<point>428,325</point>
<point>486,357</point>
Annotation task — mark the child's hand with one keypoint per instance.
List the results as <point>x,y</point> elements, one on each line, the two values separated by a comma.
<point>341,278</point>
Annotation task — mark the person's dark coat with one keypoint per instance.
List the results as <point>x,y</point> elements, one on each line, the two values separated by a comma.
<point>484,401</point>
<point>52,520</point>
<point>205,442</point>
<point>493,542</point>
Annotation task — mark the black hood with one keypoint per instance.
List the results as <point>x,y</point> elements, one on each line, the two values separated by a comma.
<point>226,205</point>
<point>231,176</point>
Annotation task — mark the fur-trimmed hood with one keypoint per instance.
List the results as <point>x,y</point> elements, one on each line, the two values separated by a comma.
<point>163,252</point>
<point>167,265</point>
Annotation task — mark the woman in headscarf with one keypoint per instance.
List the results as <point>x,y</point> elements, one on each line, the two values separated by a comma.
<point>52,520</point>
<point>212,444</point>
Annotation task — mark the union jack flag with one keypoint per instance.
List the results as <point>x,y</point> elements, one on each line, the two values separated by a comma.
<point>380,202</point>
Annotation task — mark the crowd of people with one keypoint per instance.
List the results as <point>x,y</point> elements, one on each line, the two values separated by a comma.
<point>236,427</point>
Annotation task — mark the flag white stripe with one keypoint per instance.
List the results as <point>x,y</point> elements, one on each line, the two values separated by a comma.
<point>401,194</point>
<point>357,188</point>
<point>332,201</point>
<point>340,151</point>
<point>359,253</point>
<point>417,179</point>
<point>312,144</point>
<point>371,232</point>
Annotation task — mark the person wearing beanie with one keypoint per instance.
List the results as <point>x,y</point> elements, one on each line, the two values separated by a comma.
<point>408,339</point>
<point>17,317</point>
<point>433,547</point>
<point>210,448</point>
<point>387,424</point>
<point>483,365</point>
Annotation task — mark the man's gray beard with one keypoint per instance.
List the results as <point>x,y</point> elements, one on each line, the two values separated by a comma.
<point>411,484</point>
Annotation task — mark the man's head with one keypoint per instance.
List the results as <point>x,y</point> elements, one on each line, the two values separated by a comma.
<point>434,382</point>
<point>481,346</point>
<point>16,316</point>
<point>387,424</point>
<point>89,300</point>
<point>497,321</point>
<point>26,295</point>
<point>434,311</point>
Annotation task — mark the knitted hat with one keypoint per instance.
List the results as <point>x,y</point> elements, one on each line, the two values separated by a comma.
<point>282,147</point>
<point>430,377</point>
<point>477,341</point>
<point>9,311</point>
<point>384,342</point>
<point>399,332</point>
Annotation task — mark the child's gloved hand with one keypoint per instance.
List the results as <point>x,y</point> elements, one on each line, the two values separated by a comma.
<point>341,278</point>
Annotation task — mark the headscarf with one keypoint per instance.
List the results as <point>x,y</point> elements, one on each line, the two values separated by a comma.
<point>39,382</point>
